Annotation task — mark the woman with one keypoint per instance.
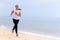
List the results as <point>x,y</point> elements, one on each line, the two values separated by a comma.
<point>16,15</point>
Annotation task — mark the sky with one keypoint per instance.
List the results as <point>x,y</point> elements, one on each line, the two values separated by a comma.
<point>32,8</point>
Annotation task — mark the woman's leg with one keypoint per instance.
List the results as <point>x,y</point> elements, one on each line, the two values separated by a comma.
<point>16,27</point>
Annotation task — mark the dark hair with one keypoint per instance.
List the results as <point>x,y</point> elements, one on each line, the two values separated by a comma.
<point>19,9</point>
<point>16,5</point>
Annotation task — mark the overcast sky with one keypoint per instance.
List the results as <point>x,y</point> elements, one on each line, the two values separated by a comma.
<point>32,8</point>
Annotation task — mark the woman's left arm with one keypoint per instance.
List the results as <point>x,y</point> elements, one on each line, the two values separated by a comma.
<point>19,14</point>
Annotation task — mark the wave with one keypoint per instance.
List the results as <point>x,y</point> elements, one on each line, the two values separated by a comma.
<point>2,26</point>
<point>40,35</point>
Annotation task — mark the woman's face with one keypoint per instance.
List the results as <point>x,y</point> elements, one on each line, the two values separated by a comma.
<point>17,7</point>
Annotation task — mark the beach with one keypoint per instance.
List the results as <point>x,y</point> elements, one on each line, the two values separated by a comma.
<point>5,34</point>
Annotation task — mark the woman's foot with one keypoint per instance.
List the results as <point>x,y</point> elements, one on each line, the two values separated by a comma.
<point>16,34</point>
<point>12,31</point>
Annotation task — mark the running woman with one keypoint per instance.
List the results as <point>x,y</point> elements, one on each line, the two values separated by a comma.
<point>16,16</point>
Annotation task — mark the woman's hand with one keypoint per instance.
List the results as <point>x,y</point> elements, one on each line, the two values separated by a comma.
<point>12,12</point>
<point>18,14</point>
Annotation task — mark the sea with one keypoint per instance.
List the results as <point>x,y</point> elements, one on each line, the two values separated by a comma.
<point>40,25</point>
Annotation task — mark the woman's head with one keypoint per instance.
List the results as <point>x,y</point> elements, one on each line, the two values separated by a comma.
<point>17,7</point>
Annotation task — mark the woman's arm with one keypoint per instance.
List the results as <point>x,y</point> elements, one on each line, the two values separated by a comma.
<point>19,14</point>
<point>12,12</point>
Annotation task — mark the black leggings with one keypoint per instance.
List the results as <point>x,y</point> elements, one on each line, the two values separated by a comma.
<point>15,25</point>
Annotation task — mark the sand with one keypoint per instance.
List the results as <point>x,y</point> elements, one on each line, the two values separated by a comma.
<point>5,34</point>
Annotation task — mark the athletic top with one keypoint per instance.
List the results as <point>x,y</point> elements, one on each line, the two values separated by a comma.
<point>15,16</point>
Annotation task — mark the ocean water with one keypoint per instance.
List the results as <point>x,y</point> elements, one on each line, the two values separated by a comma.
<point>47,26</point>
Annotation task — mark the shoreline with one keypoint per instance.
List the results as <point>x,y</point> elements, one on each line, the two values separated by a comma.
<point>31,34</point>
<point>40,35</point>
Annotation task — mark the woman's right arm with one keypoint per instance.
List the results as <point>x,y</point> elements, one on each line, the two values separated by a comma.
<point>12,12</point>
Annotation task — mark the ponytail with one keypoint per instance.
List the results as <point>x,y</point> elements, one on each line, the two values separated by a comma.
<point>19,9</point>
